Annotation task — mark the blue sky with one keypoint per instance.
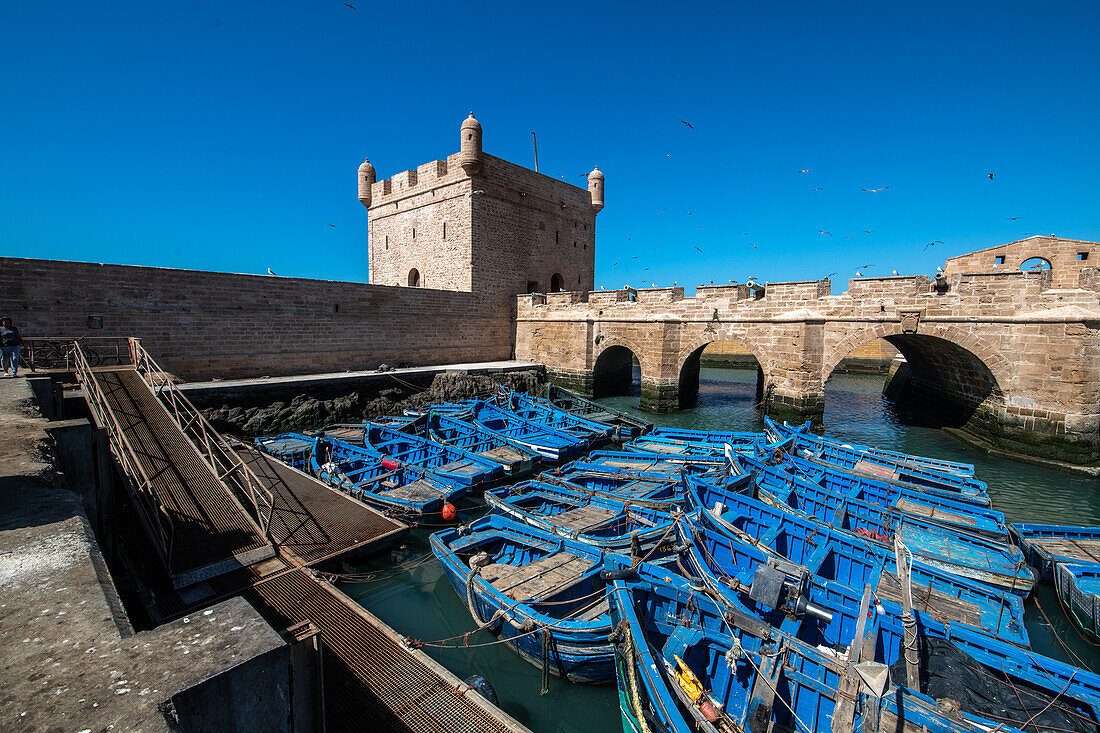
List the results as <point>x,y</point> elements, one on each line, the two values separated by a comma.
<point>227,136</point>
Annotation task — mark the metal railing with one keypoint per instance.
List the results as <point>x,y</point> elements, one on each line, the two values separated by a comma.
<point>150,505</point>
<point>225,463</point>
<point>59,353</point>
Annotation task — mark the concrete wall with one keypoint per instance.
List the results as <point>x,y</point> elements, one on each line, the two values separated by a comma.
<point>207,324</point>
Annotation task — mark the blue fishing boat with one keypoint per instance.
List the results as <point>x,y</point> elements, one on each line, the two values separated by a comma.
<point>401,489</point>
<point>712,437</point>
<point>999,564</point>
<point>942,507</point>
<point>651,463</point>
<point>853,562</point>
<point>610,524</point>
<point>1078,588</point>
<point>625,426</point>
<point>668,446</point>
<point>293,449</point>
<point>1045,545</point>
<point>790,595</point>
<point>548,443</point>
<point>541,593</point>
<point>848,454</point>
<point>686,663</point>
<point>656,490</point>
<point>478,441</point>
<point>443,461</point>
<point>546,415</point>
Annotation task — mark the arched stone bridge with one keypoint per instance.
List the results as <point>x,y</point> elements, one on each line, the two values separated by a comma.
<point>1002,354</point>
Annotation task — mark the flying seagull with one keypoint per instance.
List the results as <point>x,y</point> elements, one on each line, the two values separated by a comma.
<point>332,225</point>
<point>688,124</point>
<point>828,234</point>
<point>804,170</point>
<point>1012,218</point>
<point>699,249</point>
<point>874,190</point>
<point>830,275</point>
<point>753,245</point>
<point>866,231</point>
<point>864,267</point>
<point>350,6</point>
<point>991,175</point>
<point>931,244</point>
<point>816,189</point>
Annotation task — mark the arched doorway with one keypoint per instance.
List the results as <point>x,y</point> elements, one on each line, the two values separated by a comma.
<point>557,283</point>
<point>721,371</point>
<point>414,278</point>
<point>616,372</point>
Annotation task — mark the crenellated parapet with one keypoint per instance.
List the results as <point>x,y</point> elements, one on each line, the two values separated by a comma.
<point>1006,354</point>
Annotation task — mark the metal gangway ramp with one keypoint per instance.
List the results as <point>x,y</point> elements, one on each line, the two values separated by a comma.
<point>204,509</point>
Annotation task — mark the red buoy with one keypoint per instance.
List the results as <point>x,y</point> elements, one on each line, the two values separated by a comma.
<point>449,512</point>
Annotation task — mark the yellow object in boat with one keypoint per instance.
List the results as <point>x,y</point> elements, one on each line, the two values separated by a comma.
<point>687,680</point>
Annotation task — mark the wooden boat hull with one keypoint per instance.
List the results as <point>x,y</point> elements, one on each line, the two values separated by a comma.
<point>626,427</point>
<point>1045,545</point>
<point>578,650</point>
<point>1078,587</point>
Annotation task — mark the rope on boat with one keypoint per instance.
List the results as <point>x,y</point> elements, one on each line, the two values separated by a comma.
<point>545,661</point>
<point>622,631</point>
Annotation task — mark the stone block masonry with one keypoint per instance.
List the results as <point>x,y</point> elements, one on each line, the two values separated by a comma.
<point>1004,354</point>
<point>208,324</point>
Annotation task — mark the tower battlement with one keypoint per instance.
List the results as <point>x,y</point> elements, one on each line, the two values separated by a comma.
<point>475,222</point>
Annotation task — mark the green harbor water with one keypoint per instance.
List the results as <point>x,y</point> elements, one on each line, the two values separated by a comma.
<point>409,591</point>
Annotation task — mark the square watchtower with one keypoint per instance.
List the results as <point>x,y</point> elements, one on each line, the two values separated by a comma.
<point>477,223</point>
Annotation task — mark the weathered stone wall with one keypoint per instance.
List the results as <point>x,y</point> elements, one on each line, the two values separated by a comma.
<point>1067,258</point>
<point>1002,348</point>
<point>208,324</point>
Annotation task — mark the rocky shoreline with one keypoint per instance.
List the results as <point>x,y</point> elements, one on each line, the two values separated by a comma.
<point>305,412</point>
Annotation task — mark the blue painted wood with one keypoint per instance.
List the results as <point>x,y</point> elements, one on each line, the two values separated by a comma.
<point>847,453</point>
<point>478,441</point>
<point>625,426</point>
<point>1044,545</point>
<point>579,649</point>
<point>376,479</point>
<point>549,443</point>
<point>293,449</point>
<point>844,558</point>
<point>624,525</point>
<point>1078,587</point>
<point>444,461</point>
<point>544,414</point>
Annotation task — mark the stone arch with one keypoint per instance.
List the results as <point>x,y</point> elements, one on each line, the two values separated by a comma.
<point>414,278</point>
<point>613,368</point>
<point>687,364</point>
<point>557,283</point>
<point>1042,263</point>
<point>948,375</point>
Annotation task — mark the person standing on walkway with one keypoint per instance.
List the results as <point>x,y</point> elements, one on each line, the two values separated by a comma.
<point>11,344</point>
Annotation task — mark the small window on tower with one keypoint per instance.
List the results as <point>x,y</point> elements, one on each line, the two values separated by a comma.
<point>335,307</point>
<point>542,225</point>
<point>444,230</point>
<point>999,259</point>
<point>557,283</point>
<point>578,279</point>
<point>556,240</point>
<point>1082,256</point>
<point>387,241</point>
<point>414,232</point>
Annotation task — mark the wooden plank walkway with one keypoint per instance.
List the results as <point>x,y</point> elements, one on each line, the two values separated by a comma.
<point>315,523</point>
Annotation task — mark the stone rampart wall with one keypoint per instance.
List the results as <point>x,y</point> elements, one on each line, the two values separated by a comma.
<point>206,324</point>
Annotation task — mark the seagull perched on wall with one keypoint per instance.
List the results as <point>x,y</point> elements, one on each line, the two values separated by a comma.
<point>859,274</point>
<point>269,272</point>
<point>893,272</point>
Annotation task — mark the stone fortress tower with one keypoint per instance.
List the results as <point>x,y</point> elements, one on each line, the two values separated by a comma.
<point>476,223</point>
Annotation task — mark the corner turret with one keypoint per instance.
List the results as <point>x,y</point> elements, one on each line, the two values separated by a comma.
<point>366,180</point>
<point>595,189</point>
<point>470,149</point>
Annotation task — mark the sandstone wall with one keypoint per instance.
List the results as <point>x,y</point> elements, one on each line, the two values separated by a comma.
<point>205,324</point>
<point>1067,257</point>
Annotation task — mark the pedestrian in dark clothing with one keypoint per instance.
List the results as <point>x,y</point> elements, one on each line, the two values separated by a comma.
<point>11,343</point>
